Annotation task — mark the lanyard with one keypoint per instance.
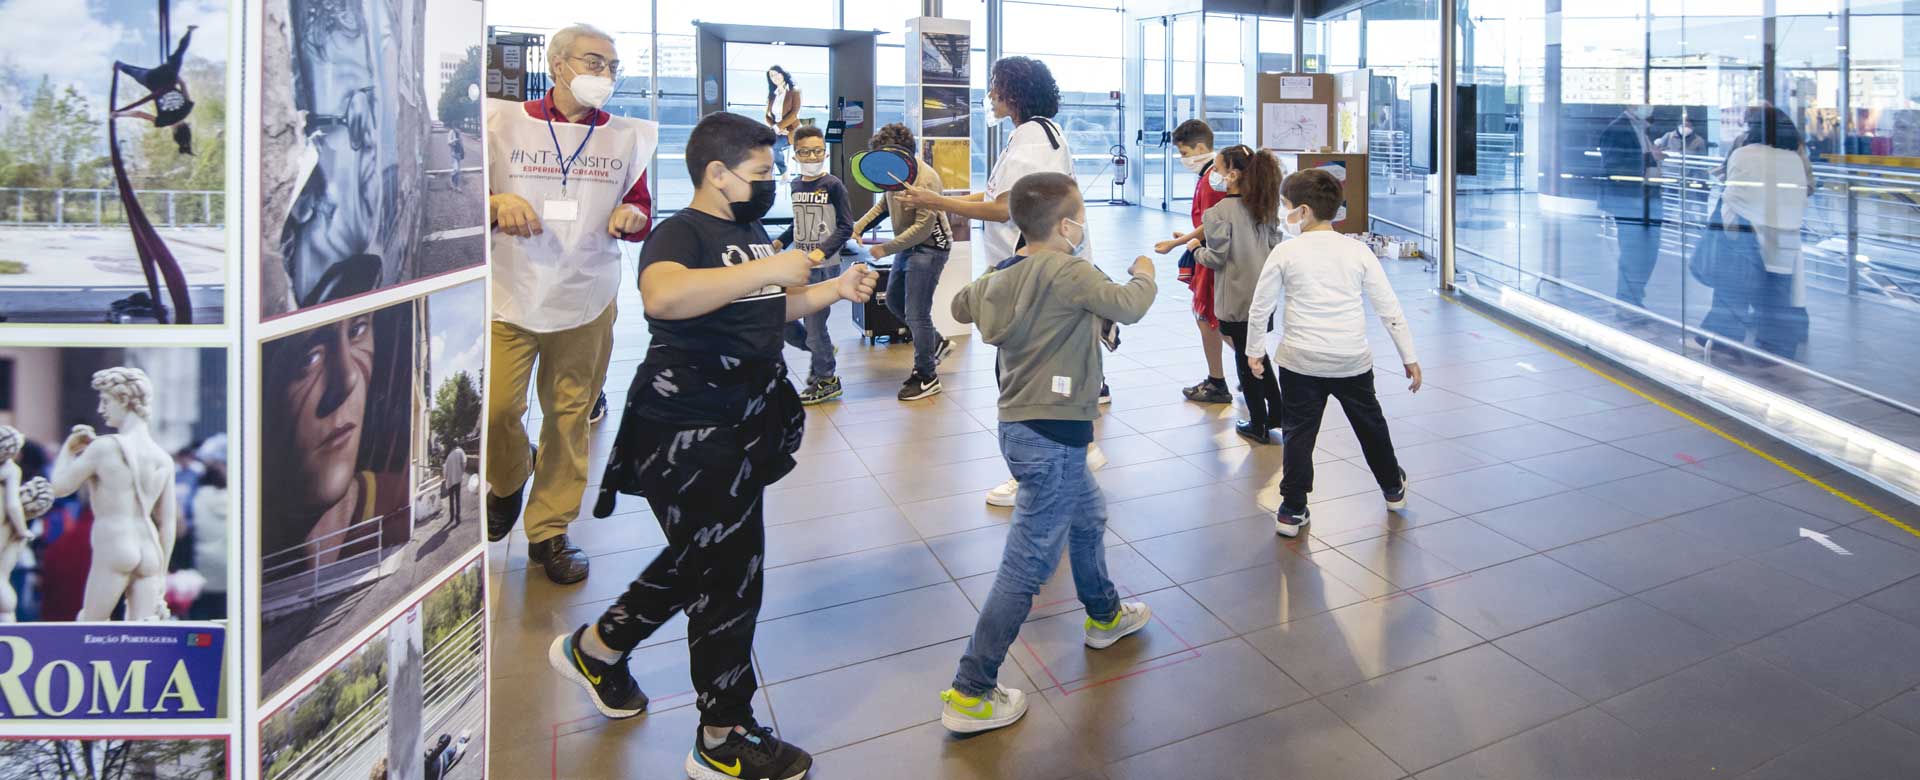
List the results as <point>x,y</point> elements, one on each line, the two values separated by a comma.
<point>566,163</point>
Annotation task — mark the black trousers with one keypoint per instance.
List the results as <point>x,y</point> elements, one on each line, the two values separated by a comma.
<point>1306,403</point>
<point>710,569</point>
<point>1262,394</point>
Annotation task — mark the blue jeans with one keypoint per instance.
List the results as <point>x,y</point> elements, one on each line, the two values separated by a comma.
<point>780,145</point>
<point>819,342</point>
<point>1059,505</point>
<point>910,286</point>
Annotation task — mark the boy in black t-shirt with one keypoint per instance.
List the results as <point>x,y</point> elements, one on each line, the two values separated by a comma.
<point>711,420</point>
<point>821,220</point>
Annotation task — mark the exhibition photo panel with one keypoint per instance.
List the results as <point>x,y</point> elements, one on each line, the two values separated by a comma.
<point>197,757</point>
<point>113,187</point>
<point>410,702</point>
<point>370,152</point>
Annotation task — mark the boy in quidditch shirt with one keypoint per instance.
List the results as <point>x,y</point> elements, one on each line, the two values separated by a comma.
<point>1043,308</point>
<point>822,221</point>
<point>711,421</point>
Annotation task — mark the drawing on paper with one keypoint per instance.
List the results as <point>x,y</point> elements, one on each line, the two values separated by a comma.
<point>1293,127</point>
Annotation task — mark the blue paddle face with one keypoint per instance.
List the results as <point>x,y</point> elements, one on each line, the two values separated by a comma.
<point>889,169</point>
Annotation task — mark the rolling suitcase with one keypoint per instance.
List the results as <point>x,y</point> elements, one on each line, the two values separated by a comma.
<point>876,321</point>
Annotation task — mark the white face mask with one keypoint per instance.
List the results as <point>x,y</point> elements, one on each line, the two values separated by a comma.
<point>813,168</point>
<point>1289,225</point>
<point>1197,163</point>
<point>1685,131</point>
<point>592,90</point>
<point>1217,181</point>
<point>1075,247</point>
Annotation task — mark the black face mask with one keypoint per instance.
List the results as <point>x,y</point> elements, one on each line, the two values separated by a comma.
<point>756,205</point>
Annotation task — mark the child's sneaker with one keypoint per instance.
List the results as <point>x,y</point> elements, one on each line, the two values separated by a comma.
<point>750,751</point>
<point>941,352</point>
<point>820,391</point>
<point>1132,617</point>
<point>1209,391</point>
<point>994,709</point>
<point>1397,498</point>
<point>918,387</point>
<point>611,686</point>
<point>1290,522</point>
<point>1004,494</point>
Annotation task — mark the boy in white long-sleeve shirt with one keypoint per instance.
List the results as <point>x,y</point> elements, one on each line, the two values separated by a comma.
<point>1323,347</point>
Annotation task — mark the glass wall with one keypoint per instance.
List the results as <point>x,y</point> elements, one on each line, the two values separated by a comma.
<point>1081,42</point>
<point>1733,181</point>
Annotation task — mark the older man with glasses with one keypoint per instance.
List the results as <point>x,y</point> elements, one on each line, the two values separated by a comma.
<point>568,183</point>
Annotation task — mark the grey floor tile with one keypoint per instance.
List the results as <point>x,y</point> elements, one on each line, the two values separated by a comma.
<point>1403,563</point>
<point>826,582</point>
<point>1749,525</point>
<point>1853,652</point>
<point>1365,516</point>
<point>1217,549</point>
<point>1492,487</point>
<point>1466,544</point>
<point>1665,493</point>
<point>837,534</point>
<point>967,477</point>
<point>1904,710</point>
<point>1742,601</point>
<point>1680,446</point>
<point>1866,748</point>
<point>1439,458</point>
<point>1316,745</point>
<point>1812,498</point>
<point>1225,683</point>
<point>1727,715</point>
<point>841,636</point>
<point>1612,648</point>
<point>1744,470</point>
<point>1181,510</point>
<point>1360,642</point>
<point>1121,483</point>
<point>1872,563</point>
<point>968,553</point>
<point>953,514</point>
<point>1470,421</point>
<point>1294,588</point>
<point>1888,531</point>
<point>1901,601</point>
<point>1558,520</point>
<point>1644,556</point>
<point>1587,744</point>
<point>1054,649</point>
<point>1431,713</point>
<point>1526,441</point>
<point>1039,747</point>
<point>1515,596</point>
<point>1616,424</point>
<point>1588,466</point>
<point>854,703</point>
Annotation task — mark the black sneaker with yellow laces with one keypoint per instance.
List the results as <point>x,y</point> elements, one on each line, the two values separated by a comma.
<point>751,752</point>
<point>611,687</point>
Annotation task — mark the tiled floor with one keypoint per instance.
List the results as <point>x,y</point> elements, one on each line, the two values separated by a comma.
<point>1585,585</point>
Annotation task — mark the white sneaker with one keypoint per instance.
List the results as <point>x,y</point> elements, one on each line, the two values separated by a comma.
<point>1004,494</point>
<point>998,708</point>
<point>1096,460</point>
<point>1133,617</point>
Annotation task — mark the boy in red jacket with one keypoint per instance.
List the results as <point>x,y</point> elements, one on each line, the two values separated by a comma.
<point>1194,139</point>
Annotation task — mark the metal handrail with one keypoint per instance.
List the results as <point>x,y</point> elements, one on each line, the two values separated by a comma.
<point>15,213</point>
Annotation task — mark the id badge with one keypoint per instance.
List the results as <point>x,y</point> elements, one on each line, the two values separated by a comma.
<point>560,211</point>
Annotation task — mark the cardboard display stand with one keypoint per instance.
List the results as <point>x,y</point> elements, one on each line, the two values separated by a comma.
<point>1353,218</point>
<point>1296,112</point>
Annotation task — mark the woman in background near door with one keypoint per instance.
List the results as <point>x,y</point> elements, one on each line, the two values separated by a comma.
<point>783,112</point>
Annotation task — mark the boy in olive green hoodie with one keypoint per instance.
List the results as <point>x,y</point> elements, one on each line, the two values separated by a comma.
<point>1043,310</point>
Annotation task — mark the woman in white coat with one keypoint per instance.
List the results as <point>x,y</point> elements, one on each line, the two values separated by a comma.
<point>1758,273</point>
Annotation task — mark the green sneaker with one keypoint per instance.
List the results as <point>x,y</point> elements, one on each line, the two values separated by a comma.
<point>820,391</point>
<point>994,709</point>
<point>1132,617</point>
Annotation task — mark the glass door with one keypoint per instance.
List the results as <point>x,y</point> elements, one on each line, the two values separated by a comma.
<point>1183,103</point>
<point>1153,142</point>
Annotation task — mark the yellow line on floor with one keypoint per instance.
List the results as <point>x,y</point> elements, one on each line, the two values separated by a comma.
<point>1695,420</point>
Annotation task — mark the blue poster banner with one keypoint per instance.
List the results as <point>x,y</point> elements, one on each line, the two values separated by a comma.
<point>110,671</point>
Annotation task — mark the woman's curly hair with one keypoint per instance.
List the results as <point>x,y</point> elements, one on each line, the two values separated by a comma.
<point>1028,85</point>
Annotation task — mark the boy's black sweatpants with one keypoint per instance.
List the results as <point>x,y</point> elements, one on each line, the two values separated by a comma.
<point>716,543</point>
<point>1306,401</point>
<point>1262,393</point>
